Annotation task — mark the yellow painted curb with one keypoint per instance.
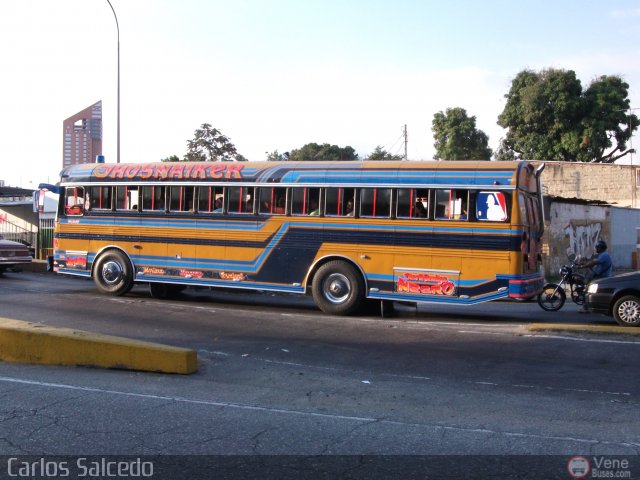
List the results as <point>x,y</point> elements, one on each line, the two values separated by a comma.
<point>27,342</point>
<point>535,327</point>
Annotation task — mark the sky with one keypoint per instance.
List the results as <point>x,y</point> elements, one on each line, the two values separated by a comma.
<point>278,74</point>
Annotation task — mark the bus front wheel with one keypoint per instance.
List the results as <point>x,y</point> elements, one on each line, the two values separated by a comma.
<point>113,273</point>
<point>338,288</point>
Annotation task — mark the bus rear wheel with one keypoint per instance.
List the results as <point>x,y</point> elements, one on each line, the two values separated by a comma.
<point>113,273</point>
<point>338,288</point>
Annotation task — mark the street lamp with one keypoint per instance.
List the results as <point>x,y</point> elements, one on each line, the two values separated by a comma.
<point>118,99</point>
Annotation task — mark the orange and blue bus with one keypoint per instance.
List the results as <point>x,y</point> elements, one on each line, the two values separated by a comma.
<point>344,232</point>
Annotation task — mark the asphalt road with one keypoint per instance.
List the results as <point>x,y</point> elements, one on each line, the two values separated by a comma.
<point>278,377</point>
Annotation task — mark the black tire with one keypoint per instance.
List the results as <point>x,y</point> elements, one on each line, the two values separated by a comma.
<point>113,273</point>
<point>626,311</point>
<point>338,288</point>
<point>163,291</point>
<point>552,298</point>
<point>578,291</point>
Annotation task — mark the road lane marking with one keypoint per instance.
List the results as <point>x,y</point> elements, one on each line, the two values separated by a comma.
<point>413,377</point>
<point>368,420</point>
<point>240,406</point>
<point>583,339</point>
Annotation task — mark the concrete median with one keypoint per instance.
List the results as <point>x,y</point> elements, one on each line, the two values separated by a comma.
<point>27,342</point>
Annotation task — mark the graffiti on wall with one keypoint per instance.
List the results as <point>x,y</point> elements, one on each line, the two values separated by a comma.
<point>583,238</point>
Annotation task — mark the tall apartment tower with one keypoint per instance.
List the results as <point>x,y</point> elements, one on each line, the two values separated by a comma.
<point>83,136</point>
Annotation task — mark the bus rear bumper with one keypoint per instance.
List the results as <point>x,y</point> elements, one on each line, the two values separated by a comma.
<point>525,287</point>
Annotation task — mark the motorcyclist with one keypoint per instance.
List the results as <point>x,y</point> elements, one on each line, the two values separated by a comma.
<point>600,266</point>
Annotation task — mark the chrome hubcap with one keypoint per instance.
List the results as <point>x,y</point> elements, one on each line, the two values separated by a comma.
<point>337,288</point>
<point>111,272</point>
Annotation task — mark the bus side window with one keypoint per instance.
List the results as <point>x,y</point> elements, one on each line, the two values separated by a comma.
<point>491,206</point>
<point>339,202</point>
<point>375,202</point>
<point>412,203</point>
<point>100,198</point>
<point>126,198</point>
<point>153,198</point>
<point>210,199</point>
<point>305,201</point>
<point>240,200</point>
<point>272,200</point>
<point>74,201</point>
<point>181,199</point>
<point>452,204</point>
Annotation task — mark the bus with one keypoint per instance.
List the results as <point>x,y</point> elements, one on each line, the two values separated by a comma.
<point>346,233</point>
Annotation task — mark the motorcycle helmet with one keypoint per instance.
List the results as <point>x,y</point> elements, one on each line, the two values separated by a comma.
<point>601,246</point>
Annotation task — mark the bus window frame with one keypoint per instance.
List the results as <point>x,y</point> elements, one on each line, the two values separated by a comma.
<point>163,195</point>
<point>100,189</point>
<point>213,193</point>
<point>306,204</point>
<point>376,193</point>
<point>249,211</point>
<point>77,208</point>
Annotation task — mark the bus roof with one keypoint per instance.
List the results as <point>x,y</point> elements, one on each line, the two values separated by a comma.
<point>374,173</point>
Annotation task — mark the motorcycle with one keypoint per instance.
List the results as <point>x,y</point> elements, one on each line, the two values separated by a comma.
<point>554,295</point>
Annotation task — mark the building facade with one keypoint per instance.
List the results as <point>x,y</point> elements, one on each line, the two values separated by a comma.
<point>82,136</point>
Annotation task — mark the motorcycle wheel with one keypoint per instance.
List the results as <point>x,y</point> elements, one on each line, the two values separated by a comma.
<point>552,297</point>
<point>578,291</point>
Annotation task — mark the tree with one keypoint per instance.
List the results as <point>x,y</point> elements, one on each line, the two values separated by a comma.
<point>324,152</point>
<point>276,156</point>
<point>548,116</point>
<point>457,138</point>
<point>172,158</point>
<point>380,154</point>
<point>210,145</point>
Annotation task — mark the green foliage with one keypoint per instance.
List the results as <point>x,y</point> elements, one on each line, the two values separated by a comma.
<point>550,117</point>
<point>172,158</point>
<point>324,152</point>
<point>457,138</point>
<point>275,156</point>
<point>210,145</point>
<point>380,154</point>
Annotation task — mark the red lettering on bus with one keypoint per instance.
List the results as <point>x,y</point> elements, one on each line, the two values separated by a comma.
<point>102,171</point>
<point>177,172</point>
<point>132,171</point>
<point>162,171</point>
<point>216,171</point>
<point>199,171</point>
<point>118,171</point>
<point>234,171</point>
<point>146,171</point>
<point>413,285</point>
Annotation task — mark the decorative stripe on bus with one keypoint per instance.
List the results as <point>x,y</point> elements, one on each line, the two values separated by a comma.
<point>293,235</point>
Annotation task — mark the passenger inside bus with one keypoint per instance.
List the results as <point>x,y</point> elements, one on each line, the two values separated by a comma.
<point>314,210</point>
<point>348,209</point>
<point>421,211</point>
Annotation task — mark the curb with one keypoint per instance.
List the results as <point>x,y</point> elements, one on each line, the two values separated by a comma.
<point>26,342</point>
<point>567,327</point>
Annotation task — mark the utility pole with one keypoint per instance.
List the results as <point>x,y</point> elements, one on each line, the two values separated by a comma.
<point>404,133</point>
<point>118,99</point>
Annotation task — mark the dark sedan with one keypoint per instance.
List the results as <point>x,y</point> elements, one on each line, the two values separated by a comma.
<point>617,296</point>
<point>12,255</point>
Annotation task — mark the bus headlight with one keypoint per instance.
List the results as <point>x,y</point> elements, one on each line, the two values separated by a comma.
<point>593,288</point>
